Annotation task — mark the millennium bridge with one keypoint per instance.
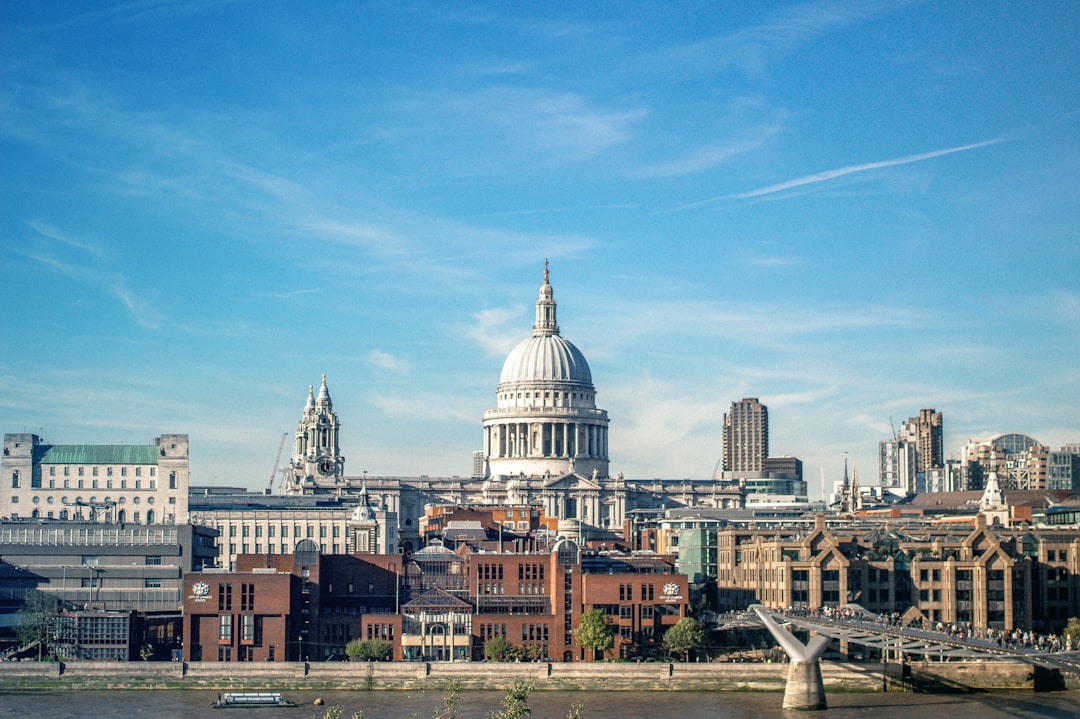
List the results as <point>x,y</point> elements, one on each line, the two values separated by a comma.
<point>855,625</point>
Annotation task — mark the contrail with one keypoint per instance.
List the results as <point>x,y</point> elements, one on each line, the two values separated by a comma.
<point>840,172</point>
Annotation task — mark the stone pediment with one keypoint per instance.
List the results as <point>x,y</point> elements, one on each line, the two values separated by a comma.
<point>572,481</point>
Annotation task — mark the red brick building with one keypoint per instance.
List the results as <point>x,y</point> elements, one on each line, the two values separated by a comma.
<point>435,605</point>
<point>287,607</point>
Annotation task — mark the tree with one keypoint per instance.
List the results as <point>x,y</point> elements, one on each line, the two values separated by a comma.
<point>498,649</point>
<point>451,701</point>
<point>516,702</point>
<point>36,620</point>
<point>686,635</point>
<point>593,631</point>
<point>372,650</point>
<point>1072,632</point>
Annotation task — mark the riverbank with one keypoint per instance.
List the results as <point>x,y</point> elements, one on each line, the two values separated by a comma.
<point>425,676</point>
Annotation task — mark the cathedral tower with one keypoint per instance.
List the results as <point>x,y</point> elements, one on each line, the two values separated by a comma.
<point>317,460</point>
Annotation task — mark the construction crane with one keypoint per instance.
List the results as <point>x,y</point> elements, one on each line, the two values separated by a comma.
<point>277,461</point>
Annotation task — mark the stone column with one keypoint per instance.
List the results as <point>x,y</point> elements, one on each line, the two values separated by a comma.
<point>805,689</point>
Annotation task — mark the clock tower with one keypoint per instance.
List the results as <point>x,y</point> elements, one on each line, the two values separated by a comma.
<point>316,460</point>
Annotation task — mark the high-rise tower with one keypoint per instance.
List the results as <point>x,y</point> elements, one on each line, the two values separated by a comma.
<point>746,436</point>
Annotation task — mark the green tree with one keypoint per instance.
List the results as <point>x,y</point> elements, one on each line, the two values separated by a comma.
<point>593,631</point>
<point>146,652</point>
<point>515,702</point>
<point>687,634</point>
<point>1072,631</point>
<point>498,649</point>
<point>371,650</point>
<point>37,619</point>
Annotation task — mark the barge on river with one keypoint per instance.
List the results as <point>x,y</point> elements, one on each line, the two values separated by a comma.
<point>232,700</point>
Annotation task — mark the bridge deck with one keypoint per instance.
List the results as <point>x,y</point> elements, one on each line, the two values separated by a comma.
<point>871,632</point>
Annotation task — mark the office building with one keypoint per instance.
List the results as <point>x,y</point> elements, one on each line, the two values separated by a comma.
<point>746,436</point>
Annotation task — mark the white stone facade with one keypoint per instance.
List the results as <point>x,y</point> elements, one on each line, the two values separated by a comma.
<point>545,422</point>
<point>137,484</point>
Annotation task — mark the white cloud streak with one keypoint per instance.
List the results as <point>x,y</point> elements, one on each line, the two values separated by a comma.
<point>852,169</point>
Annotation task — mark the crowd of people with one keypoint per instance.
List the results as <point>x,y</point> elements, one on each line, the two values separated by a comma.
<point>1014,640</point>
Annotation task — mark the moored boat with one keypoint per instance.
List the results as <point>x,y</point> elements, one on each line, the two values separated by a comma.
<point>231,700</point>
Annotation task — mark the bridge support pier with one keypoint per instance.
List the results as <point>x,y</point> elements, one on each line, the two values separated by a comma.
<point>805,689</point>
<point>1047,680</point>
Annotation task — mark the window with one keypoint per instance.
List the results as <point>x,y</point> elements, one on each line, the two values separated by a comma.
<point>152,583</point>
<point>52,471</point>
<point>153,559</point>
<point>224,597</point>
<point>138,473</point>
<point>247,597</point>
<point>14,480</point>
<point>123,471</point>
<point>89,560</point>
<point>247,627</point>
<point>225,628</point>
<point>172,480</point>
<point>93,471</point>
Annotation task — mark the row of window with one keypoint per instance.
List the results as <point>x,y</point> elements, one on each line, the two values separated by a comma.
<point>272,530</point>
<point>626,592</point>
<point>121,516</point>
<point>108,471</point>
<point>250,630</point>
<point>282,549</point>
<point>35,480</point>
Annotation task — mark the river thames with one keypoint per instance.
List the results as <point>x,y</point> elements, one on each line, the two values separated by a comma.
<point>186,704</point>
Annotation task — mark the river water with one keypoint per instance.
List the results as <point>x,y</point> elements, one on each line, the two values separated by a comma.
<point>186,704</point>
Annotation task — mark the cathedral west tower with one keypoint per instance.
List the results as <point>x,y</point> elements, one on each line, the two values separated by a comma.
<point>317,460</point>
<point>545,422</point>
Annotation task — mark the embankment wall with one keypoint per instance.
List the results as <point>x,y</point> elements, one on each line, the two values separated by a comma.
<point>434,676</point>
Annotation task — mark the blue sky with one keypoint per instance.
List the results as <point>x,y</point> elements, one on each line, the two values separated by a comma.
<point>851,210</point>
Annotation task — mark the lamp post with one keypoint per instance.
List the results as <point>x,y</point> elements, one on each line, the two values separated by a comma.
<point>301,640</point>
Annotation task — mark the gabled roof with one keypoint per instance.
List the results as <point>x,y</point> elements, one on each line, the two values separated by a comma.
<point>436,600</point>
<point>572,481</point>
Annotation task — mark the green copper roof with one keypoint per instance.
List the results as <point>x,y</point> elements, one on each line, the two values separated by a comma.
<point>100,454</point>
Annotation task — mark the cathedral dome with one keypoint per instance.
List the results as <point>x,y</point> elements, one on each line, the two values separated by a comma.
<point>546,357</point>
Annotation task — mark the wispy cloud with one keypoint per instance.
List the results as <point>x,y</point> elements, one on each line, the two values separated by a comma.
<point>102,279</point>
<point>753,49</point>
<point>708,157</point>
<point>385,360</point>
<point>52,233</point>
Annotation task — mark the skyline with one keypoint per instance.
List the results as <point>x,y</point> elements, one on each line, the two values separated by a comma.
<point>851,211</point>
